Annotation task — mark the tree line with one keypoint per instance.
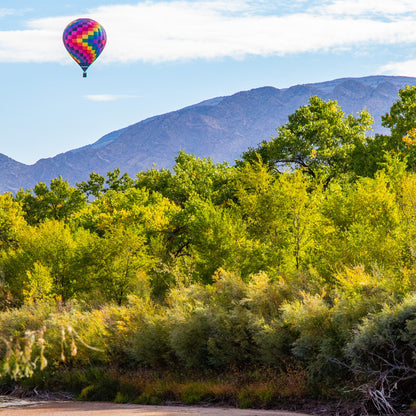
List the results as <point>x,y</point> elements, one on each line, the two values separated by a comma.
<point>297,264</point>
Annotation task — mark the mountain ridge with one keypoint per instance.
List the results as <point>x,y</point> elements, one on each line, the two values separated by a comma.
<point>220,127</point>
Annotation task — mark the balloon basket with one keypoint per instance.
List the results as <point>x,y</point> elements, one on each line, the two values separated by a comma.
<point>84,75</point>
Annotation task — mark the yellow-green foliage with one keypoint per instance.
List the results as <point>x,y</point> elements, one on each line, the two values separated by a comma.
<point>293,259</point>
<point>11,219</point>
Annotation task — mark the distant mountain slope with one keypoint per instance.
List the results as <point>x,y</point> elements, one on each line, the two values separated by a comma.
<point>221,128</point>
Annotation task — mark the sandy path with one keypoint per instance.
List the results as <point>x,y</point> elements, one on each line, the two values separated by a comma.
<point>111,409</point>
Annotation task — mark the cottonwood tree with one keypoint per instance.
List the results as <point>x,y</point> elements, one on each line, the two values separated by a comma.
<point>317,138</point>
<point>401,120</point>
<point>58,201</point>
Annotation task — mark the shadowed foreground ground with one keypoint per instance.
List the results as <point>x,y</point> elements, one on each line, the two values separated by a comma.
<point>111,409</point>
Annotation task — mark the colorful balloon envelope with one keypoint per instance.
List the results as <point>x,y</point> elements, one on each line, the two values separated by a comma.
<point>84,39</point>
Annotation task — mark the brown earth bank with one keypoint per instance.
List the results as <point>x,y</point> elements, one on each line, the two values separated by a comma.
<point>112,409</point>
<point>32,403</point>
<point>33,407</point>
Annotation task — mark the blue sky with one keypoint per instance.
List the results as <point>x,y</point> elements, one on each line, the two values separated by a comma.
<point>165,55</point>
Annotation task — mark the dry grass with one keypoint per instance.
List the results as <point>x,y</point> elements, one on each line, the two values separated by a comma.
<point>258,389</point>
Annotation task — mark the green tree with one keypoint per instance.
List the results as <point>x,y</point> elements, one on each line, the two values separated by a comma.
<point>94,187</point>
<point>401,120</point>
<point>49,249</point>
<point>318,138</point>
<point>149,211</point>
<point>98,184</point>
<point>58,202</point>
<point>39,283</point>
<point>212,237</point>
<point>191,175</point>
<point>280,214</point>
<point>155,180</point>
<point>120,263</point>
<point>11,220</point>
<point>360,225</point>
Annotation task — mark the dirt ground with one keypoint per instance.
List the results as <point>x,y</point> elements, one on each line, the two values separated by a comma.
<point>111,409</point>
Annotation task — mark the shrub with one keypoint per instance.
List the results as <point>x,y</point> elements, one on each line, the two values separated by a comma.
<point>194,393</point>
<point>255,396</point>
<point>382,356</point>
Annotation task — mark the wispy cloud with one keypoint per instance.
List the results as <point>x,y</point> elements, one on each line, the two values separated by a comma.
<point>6,12</point>
<point>158,31</point>
<point>108,97</point>
<point>370,7</point>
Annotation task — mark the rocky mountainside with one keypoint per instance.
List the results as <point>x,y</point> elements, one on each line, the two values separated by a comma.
<point>221,128</point>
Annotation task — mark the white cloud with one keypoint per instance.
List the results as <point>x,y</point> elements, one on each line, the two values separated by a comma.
<point>107,97</point>
<point>30,46</point>
<point>360,7</point>
<point>406,68</point>
<point>154,31</point>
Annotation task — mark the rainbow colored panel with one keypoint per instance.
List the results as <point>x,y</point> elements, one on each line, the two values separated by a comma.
<point>84,39</point>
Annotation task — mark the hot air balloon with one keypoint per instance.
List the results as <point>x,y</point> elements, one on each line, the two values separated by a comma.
<point>84,39</point>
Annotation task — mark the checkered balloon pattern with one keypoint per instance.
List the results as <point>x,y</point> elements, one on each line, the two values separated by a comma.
<point>84,39</point>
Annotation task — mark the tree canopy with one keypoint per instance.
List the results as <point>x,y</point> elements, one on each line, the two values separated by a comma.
<point>318,139</point>
<point>290,273</point>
